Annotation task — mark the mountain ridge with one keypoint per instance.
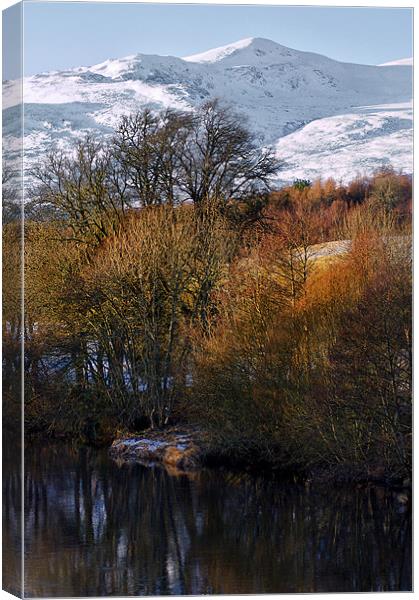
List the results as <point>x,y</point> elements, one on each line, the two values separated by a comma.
<point>278,89</point>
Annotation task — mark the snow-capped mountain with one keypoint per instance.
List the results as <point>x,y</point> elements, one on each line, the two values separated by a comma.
<point>288,97</point>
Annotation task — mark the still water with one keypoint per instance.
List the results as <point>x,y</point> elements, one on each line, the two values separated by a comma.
<point>94,528</point>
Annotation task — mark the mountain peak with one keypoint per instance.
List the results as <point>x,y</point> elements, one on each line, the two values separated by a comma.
<point>262,45</point>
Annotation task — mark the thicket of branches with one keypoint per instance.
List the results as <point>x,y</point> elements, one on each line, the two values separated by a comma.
<point>166,283</point>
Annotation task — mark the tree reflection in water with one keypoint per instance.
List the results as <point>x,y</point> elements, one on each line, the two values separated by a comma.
<point>94,528</point>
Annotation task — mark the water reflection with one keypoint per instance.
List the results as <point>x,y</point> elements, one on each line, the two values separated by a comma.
<point>12,519</point>
<point>94,528</point>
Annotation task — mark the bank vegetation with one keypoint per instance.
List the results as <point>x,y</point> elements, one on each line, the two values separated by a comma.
<point>167,283</point>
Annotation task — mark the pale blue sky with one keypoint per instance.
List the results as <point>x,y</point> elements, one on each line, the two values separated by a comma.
<point>61,35</point>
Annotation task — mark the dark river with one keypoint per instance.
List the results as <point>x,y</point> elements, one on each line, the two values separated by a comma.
<point>96,528</point>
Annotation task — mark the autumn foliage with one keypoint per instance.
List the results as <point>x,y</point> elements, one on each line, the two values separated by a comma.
<point>280,322</point>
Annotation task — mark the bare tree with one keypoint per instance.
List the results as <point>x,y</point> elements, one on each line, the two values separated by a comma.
<point>87,190</point>
<point>144,291</point>
<point>172,157</point>
<point>11,202</point>
<point>219,158</point>
<point>147,146</point>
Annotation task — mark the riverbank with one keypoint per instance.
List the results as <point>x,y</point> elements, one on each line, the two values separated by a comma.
<point>175,448</point>
<point>186,449</point>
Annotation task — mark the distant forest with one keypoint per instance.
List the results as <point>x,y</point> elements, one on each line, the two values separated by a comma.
<point>166,283</point>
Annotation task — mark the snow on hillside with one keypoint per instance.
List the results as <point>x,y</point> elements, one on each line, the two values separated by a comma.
<point>282,92</point>
<point>401,62</point>
<point>347,145</point>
